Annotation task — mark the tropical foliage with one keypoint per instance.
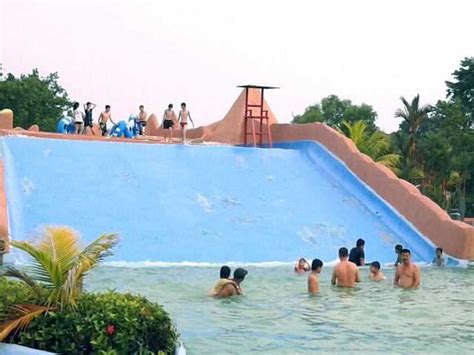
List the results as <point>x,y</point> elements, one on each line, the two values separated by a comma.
<point>56,273</point>
<point>34,99</point>
<point>376,144</point>
<point>433,147</point>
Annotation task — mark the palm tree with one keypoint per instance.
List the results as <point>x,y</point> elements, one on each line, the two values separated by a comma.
<point>376,144</point>
<point>57,269</point>
<point>413,115</point>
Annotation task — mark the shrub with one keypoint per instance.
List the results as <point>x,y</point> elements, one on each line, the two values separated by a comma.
<point>110,323</point>
<point>13,292</point>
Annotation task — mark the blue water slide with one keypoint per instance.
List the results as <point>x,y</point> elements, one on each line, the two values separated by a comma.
<point>177,203</point>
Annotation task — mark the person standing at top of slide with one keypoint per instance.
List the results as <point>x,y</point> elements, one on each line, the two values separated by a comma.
<point>78,117</point>
<point>142,117</point>
<point>168,122</point>
<point>103,118</point>
<point>345,273</point>
<point>184,114</point>
<point>88,107</point>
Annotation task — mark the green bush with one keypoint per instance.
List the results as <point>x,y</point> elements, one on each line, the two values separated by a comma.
<point>105,323</point>
<point>12,292</point>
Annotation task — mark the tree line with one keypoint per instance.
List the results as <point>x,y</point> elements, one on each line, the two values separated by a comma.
<point>433,147</point>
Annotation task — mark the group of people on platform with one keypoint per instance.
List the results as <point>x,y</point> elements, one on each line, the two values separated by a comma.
<point>345,273</point>
<point>83,119</point>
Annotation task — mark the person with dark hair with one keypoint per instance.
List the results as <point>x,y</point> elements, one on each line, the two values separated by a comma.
<point>345,273</point>
<point>313,281</point>
<point>357,255</point>
<point>104,117</point>
<point>407,274</point>
<point>183,116</point>
<point>142,118</point>
<point>301,266</point>
<point>168,122</point>
<point>398,251</point>
<point>78,117</point>
<point>438,259</point>
<point>375,273</point>
<point>232,287</point>
<point>88,107</point>
<point>224,275</point>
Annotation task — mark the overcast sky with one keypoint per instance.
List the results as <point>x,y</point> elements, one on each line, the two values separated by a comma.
<point>126,53</point>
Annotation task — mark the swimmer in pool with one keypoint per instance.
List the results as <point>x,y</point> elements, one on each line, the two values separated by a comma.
<point>375,274</point>
<point>232,287</point>
<point>313,281</point>
<point>302,266</point>
<point>223,280</point>
<point>407,274</point>
<point>345,273</point>
<point>398,250</point>
<point>438,259</point>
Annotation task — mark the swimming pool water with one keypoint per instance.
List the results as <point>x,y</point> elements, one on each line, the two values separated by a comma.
<point>276,316</point>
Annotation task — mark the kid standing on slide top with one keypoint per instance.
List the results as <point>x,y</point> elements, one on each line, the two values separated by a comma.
<point>168,122</point>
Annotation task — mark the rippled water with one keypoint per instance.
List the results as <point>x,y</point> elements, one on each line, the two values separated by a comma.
<point>277,316</point>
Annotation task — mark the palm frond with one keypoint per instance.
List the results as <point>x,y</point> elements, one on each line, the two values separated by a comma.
<point>24,314</point>
<point>42,266</point>
<point>62,244</point>
<point>90,257</point>
<point>22,276</point>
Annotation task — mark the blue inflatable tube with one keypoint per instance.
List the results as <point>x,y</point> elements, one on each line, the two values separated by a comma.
<point>65,126</point>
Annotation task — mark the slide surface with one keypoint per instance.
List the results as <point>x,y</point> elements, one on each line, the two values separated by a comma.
<point>176,203</point>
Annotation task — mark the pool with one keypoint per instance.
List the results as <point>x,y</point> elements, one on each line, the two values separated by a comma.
<point>277,316</point>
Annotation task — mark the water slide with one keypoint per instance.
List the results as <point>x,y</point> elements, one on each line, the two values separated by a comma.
<point>201,203</point>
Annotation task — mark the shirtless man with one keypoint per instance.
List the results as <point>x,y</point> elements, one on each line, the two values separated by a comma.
<point>142,116</point>
<point>168,122</point>
<point>313,281</point>
<point>345,273</point>
<point>407,274</point>
<point>375,273</point>
<point>184,114</point>
<point>232,288</point>
<point>103,118</point>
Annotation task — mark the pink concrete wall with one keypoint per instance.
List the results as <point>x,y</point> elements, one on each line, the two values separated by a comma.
<point>456,238</point>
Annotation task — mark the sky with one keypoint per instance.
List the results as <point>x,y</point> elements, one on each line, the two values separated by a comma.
<point>127,53</point>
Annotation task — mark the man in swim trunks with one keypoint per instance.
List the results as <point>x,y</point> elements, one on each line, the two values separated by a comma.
<point>375,273</point>
<point>302,266</point>
<point>184,114</point>
<point>407,274</point>
<point>398,251</point>
<point>357,255</point>
<point>345,273</point>
<point>142,117</point>
<point>438,259</point>
<point>88,107</point>
<point>168,122</point>
<point>224,279</point>
<point>232,288</point>
<point>103,118</point>
<point>313,281</point>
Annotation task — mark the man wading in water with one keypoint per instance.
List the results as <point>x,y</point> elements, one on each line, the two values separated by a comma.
<point>407,274</point>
